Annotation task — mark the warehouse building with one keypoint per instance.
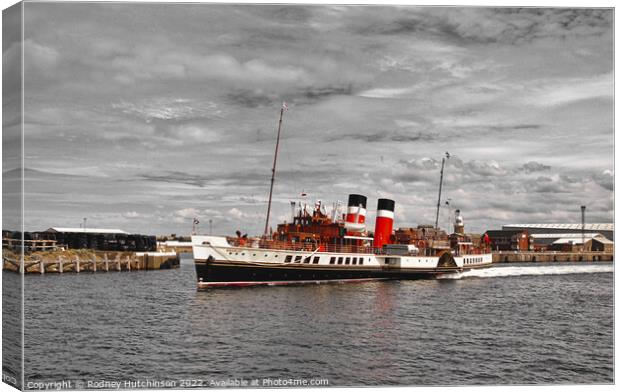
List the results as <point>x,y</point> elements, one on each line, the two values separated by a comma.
<point>97,239</point>
<point>509,240</point>
<point>606,229</point>
<point>571,242</point>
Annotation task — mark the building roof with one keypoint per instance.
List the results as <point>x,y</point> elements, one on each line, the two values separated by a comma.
<point>575,241</point>
<point>562,226</point>
<point>510,231</point>
<point>87,230</point>
<point>565,235</point>
<point>603,240</point>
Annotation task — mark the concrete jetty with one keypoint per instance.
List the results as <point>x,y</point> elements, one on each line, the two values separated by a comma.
<point>534,257</point>
<point>88,261</point>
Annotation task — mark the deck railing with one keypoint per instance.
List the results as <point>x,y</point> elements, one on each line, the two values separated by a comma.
<point>302,246</point>
<point>256,243</point>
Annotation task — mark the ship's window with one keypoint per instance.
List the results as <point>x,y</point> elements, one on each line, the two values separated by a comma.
<point>354,260</point>
<point>307,260</point>
<point>347,260</point>
<point>332,260</point>
<point>316,260</point>
<point>275,256</point>
<point>361,260</point>
<point>297,259</point>
<point>254,254</point>
<point>288,258</point>
<point>243,254</point>
<point>339,260</point>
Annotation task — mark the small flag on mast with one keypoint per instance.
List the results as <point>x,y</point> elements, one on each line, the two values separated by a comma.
<point>196,221</point>
<point>284,106</point>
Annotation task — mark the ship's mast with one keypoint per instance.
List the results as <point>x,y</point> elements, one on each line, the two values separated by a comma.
<point>443,162</point>
<point>273,169</point>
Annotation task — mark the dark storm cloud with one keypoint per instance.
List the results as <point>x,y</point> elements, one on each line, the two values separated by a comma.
<point>386,136</point>
<point>532,166</point>
<point>494,25</point>
<point>177,177</point>
<point>605,179</point>
<point>307,95</point>
<point>318,93</point>
<point>252,99</point>
<point>516,127</point>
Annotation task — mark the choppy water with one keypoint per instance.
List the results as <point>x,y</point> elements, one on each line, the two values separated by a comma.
<point>514,324</point>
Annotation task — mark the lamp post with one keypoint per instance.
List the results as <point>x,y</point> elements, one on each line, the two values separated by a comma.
<point>583,228</point>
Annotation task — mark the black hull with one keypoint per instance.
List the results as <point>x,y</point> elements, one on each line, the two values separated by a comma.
<point>214,274</point>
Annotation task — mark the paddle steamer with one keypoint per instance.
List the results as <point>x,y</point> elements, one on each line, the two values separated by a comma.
<point>317,248</point>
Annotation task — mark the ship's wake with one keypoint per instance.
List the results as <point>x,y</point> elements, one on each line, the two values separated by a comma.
<point>498,272</point>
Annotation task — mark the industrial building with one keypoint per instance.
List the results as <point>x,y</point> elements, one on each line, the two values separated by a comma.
<point>595,237</point>
<point>506,240</point>
<point>571,242</point>
<point>82,238</point>
<point>606,229</point>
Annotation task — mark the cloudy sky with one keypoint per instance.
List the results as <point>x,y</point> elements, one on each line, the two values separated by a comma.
<point>143,116</point>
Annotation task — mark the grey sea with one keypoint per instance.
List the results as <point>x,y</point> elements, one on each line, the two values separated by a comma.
<point>509,324</point>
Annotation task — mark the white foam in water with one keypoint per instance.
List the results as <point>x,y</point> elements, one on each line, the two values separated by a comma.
<point>494,272</point>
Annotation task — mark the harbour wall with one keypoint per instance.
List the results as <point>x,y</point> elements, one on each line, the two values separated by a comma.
<point>88,261</point>
<point>534,257</point>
